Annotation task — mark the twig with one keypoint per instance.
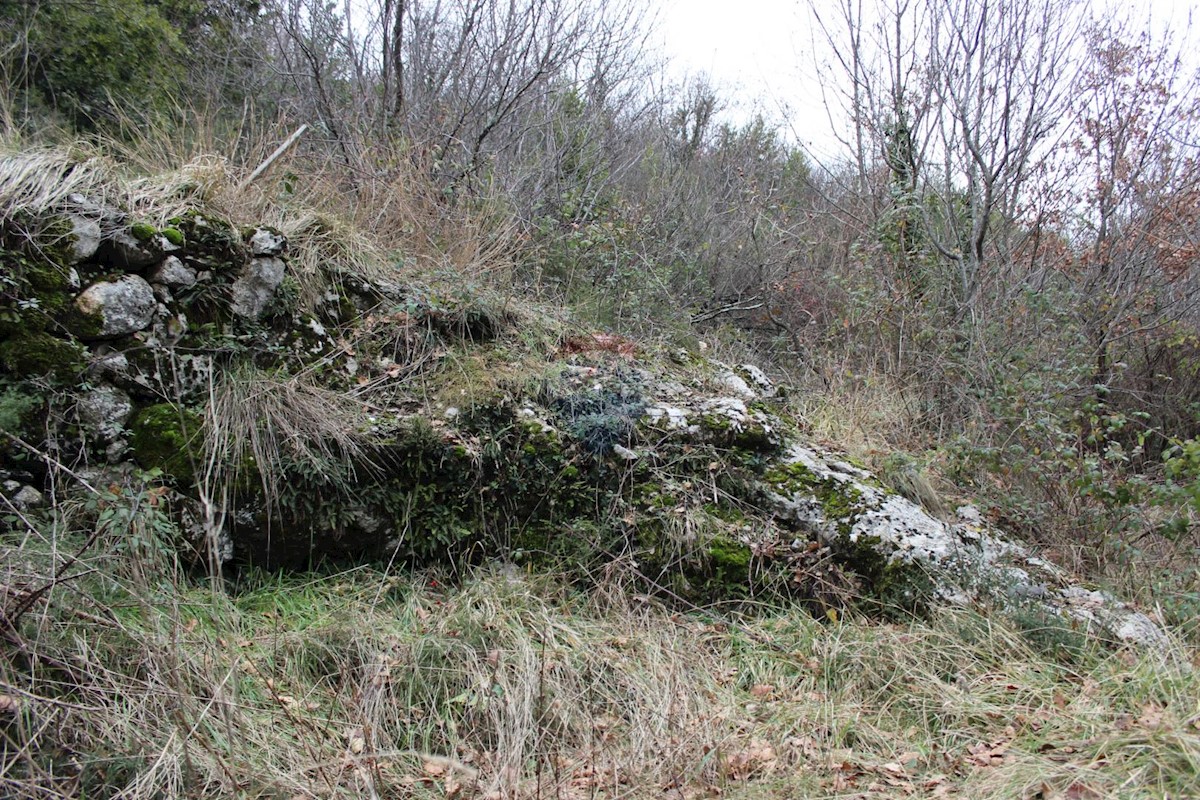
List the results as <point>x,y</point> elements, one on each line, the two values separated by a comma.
<point>51,461</point>
<point>753,304</point>
<point>797,345</point>
<point>271,159</point>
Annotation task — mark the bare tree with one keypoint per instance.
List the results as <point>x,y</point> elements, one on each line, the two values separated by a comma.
<point>1135,192</point>
<point>462,83</point>
<point>1000,72</point>
<point>956,100</point>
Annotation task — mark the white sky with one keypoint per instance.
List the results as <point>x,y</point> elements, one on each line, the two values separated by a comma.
<point>759,53</point>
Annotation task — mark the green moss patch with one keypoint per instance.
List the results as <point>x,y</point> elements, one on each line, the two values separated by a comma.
<point>17,406</point>
<point>167,437</point>
<point>143,231</point>
<point>40,354</point>
<point>841,503</point>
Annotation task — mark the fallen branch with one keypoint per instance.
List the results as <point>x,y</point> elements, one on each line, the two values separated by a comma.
<point>271,159</point>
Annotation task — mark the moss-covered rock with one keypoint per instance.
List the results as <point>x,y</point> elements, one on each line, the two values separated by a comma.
<point>39,354</point>
<point>33,289</point>
<point>168,437</point>
<point>173,235</point>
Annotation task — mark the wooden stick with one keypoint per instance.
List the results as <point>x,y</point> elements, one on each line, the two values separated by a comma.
<point>271,159</point>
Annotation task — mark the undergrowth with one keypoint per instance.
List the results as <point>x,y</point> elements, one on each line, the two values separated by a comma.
<point>367,684</point>
<point>125,676</point>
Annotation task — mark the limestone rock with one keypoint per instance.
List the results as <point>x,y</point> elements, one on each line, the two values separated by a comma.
<point>963,561</point>
<point>736,384</point>
<point>108,309</point>
<point>267,242</point>
<point>757,380</point>
<point>28,498</point>
<point>85,233</point>
<point>174,273</point>
<point>124,249</point>
<point>103,412</point>
<point>255,286</point>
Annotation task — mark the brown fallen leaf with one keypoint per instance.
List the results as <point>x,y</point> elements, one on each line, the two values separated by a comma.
<point>757,757</point>
<point>1151,717</point>
<point>991,754</point>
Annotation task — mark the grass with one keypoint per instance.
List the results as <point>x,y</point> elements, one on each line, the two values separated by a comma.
<point>365,684</point>
<point>257,419</point>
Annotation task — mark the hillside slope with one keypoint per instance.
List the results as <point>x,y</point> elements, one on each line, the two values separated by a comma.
<point>283,519</point>
<point>392,422</point>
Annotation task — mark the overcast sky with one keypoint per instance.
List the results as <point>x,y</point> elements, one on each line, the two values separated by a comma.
<point>759,53</point>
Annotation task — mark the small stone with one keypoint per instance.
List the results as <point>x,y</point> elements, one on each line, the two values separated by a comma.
<point>267,242</point>
<point>110,363</point>
<point>115,308</point>
<point>115,453</point>
<point>28,498</point>
<point>174,273</point>
<point>176,327</point>
<point>625,452</point>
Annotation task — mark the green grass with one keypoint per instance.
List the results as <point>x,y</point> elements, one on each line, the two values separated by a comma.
<point>360,684</point>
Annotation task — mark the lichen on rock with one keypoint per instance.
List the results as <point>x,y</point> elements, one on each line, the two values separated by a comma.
<point>103,412</point>
<point>109,309</point>
<point>256,285</point>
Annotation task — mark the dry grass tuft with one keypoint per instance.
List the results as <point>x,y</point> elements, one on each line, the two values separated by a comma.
<point>259,421</point>
<point>34,181</point>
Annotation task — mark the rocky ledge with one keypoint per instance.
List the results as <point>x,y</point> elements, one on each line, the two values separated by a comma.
<point>406,423</point>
